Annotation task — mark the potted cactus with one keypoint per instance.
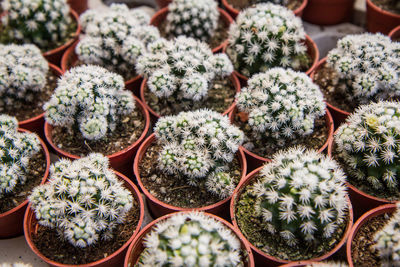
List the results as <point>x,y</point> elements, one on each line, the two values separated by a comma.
<point>192,161</point>
<point>183,74</point>
<point>83,203</point>
<point>91,112</point>
<point>25,164</point>
<point>49,24</point>
<point>382,15</point>
<point>293,208</point>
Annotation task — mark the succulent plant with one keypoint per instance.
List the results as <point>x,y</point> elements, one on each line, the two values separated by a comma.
<point>83,200</point>
<point>191,239</point>
<point>41,22</point>
<point>301,196</point>
<point>266,36</point>
<point>368,67</point>
<point>89,99</point>
<point>192,18</point>
<point>23,72</point>
<point>16,151</point>
<point>198,145</point>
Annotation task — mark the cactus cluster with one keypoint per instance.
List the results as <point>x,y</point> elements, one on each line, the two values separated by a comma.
<point>368,144</point>
<point>192,18</point>
<point>267,36</point>
<point>16,151</point>
<point>301,196</point>
<point>23,72</point>
<point>191,239</point>
<point>199,145</point>
<point>116,38</point>
<point>89,99</point>
<point>367,66</point>
<point>45,23</point>
<point>282,105</point>
<point>83,200</point>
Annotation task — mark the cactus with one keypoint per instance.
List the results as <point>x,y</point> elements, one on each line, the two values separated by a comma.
<point>23,72</point>
<point>83,200</point>
<point>191,239</point>
<point>45,23</point>
<point>91,99</point>
<point>198,145</point>
<point>116,38</point>
<point>282,105</point>
<point>301,197</point>
<point>192,18</point>
<point>267,36</point>
<point>16,151</point>
<point>368,67</point>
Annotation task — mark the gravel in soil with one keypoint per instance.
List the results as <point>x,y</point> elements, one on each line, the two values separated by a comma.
<point>392,6</point>
<point>241,4</point>
<point>174,190</point>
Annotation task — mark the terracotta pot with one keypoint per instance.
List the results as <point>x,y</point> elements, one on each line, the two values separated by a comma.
<point>163,3</point>
<point>263,259</point>
<point>379,20</point>
<point>234,12</point>
<point>395,33</point>
<point>120,161</point>
<point>136,248</point>
<point>389,208</point>
<point>69,60</point>
<point>161,15</point>
<point>79,6</point>
<point>328,12</point>
<point>115,259</point>
<point>159,208</point>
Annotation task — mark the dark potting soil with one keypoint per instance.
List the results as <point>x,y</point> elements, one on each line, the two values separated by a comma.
<point>241,4</point>
<point>251,227</point>
<point>392,6</point>
<point>34,174</point>
<point>124,135</point>
<point>50,245</point>
<point>26,110</point>
<point>174,190</point>
<point>220,97</point>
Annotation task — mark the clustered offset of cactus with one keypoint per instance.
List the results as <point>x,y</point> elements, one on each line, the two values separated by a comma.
<point>23,72</point>
<point>89,99</point>
<point>192,18</point>
<point>191,239</point>
<point>301,196</point>
<point>282,105</point>
<point>116,38</point>
<point>368,67</point>
<point>267,36</point>
<point>83,200</point>
<point>184,68</point>
<point>199,145</point>
<point>41,22</point>
<point>16,151</point>
<point>369,145</point>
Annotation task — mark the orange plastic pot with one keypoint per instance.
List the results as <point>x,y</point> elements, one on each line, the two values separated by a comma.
<point>161,15</point>
<point>159,208</point>
<point>79,6</point>
<point>115,259</point>
<point>263,259</point>
<point>395,33</point>
<point>328,12</point>
<point>120,161</point>
<point>379,20</point>
<point>137,247</point>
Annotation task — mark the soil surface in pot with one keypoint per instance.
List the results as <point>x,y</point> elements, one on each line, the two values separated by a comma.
<point>241,4</point>
<point>174,190</point>
<point>392,6</point>
<point>251,227</point>
<point>24,110</point>
<point>266,148</point>
<point>50,245</point>
<point>125,134</point>
<point>34,174</point>
<point>220,97</point>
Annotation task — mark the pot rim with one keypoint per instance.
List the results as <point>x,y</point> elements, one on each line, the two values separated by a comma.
<point>374,7</point>
<point>394,31</point>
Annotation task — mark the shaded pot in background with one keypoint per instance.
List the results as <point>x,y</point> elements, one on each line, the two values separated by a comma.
<point>379,20</point>
<point>328,12</point>
<point>79,6</point>
<point>395,33</point>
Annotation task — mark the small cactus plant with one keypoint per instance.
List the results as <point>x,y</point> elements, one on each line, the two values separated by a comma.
<point>191,239</point>
<point>16,151</point>
<point>267,36</point>
<point>83,200</point>
<point>198,145</point>
<point>89,99</point>
<point>368,67</point>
